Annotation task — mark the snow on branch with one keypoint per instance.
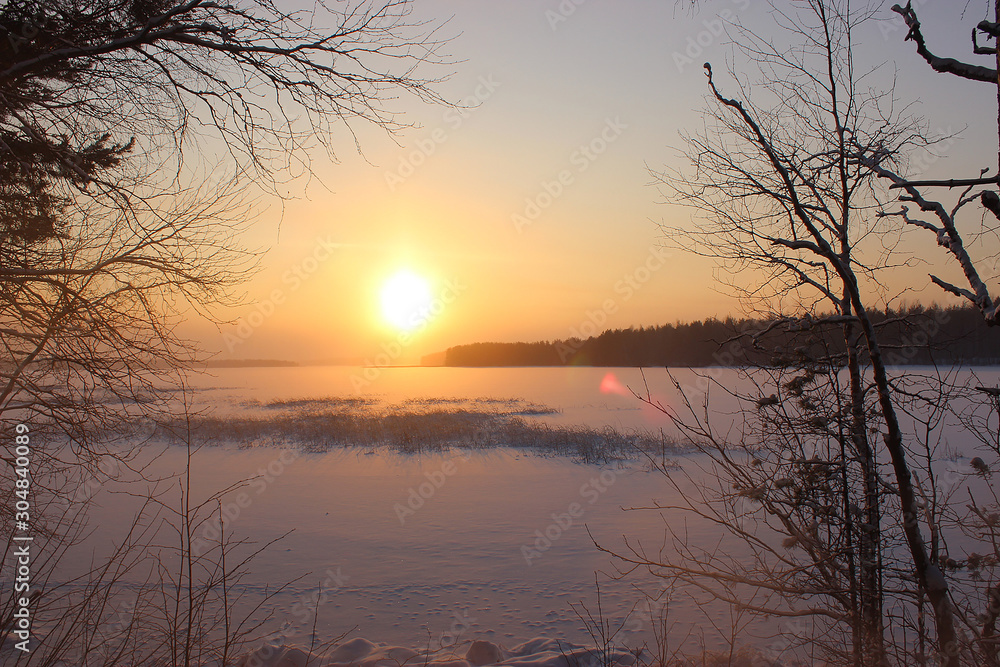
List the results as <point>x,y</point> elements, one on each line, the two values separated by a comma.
<point>945,65</point>
<point>948,237</point>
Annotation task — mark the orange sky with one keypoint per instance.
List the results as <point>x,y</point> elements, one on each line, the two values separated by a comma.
<point>528,212</point>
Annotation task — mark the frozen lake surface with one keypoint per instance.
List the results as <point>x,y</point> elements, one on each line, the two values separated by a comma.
<point>437,548</point>
<point>418,548</point>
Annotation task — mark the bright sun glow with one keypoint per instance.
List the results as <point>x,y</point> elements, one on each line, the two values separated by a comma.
<point>406,300</point>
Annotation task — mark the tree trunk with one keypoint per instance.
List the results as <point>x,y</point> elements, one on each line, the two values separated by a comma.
<point>930,578</point>
<point>869,534</point>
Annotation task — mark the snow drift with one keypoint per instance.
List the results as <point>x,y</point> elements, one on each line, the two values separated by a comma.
<point>363,653</point>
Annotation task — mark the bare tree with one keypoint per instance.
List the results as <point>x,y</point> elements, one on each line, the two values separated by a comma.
<point>786,495</point>
<point>981,188</point>
<point>789,192</point>
<point>134,135</point>
<point>110,112</point>
<point>84,85</point>
<point>111,115</point>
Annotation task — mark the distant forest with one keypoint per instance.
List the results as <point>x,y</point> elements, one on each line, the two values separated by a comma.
<point>911,336</point>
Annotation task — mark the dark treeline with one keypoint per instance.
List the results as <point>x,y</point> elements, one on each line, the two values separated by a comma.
<point>915,335</point>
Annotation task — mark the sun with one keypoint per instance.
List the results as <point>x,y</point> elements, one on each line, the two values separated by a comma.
<point>406,300</point>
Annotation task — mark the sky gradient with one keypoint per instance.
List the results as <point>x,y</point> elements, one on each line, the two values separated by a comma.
<point>529,208</point>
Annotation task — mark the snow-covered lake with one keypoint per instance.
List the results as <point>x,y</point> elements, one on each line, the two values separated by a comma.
<point>430,549</point>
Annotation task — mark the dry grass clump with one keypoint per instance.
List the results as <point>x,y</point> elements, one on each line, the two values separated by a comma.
<point>420,425</point>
